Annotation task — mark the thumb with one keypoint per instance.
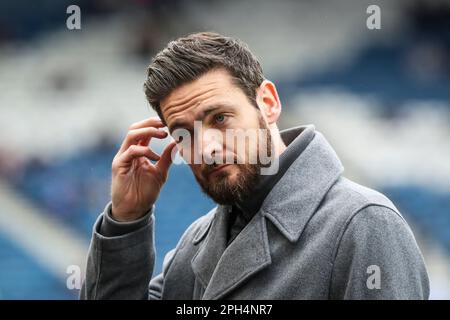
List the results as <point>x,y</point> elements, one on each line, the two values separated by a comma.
<point>165,160</point>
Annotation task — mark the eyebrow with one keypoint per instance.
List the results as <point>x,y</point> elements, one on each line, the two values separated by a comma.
<point>182,124</point>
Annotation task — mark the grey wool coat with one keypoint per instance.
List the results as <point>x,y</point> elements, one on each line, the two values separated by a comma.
<point>317,235</point>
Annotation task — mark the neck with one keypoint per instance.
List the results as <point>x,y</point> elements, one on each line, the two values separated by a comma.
<point>278,143</point>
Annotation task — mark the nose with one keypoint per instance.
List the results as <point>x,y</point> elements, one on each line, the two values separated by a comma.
<point>212,146</point>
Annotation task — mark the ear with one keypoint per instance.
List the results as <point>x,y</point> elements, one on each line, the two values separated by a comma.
<point>268,101</point>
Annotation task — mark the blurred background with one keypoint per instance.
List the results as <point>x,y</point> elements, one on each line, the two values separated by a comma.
<point>67,98</point>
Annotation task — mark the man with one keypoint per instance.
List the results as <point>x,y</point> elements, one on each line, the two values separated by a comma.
<point>303,231</point>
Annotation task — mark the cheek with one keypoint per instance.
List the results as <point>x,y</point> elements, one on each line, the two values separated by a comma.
<point>244,148</point>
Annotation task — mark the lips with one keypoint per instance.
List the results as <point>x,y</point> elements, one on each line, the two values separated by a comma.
<point>218,168</point>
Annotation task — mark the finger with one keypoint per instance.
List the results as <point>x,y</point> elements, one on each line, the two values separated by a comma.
<point>150,122</point>
<point>166,158</point>
<point>146,141</point>
<point>134,136</point>
<point>136,151</point>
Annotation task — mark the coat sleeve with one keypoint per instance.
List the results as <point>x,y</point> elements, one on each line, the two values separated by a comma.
<point>377,257</point>
<point>157,283</point>
<point>121,266</point>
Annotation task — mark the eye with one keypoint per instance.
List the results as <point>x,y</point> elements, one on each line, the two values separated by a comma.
<point>219,118</point>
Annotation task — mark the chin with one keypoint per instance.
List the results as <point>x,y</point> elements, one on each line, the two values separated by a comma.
<point>231,172</point>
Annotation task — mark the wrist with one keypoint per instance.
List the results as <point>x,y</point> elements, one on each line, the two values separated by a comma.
<point>126,217</point>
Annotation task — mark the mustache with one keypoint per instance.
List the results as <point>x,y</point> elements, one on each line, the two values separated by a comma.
<point>208,168</point>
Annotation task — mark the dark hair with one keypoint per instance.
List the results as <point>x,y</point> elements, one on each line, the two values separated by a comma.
<point>187,58</point>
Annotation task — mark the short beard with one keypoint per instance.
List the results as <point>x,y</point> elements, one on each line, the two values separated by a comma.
<point>224,192</point>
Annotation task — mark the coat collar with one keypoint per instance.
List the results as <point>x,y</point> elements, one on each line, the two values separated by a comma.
<point>302,136</point>
<point>295,198</point>
<point>289,206</point>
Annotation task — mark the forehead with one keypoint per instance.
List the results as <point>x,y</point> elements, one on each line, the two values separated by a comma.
<point>213,87</point>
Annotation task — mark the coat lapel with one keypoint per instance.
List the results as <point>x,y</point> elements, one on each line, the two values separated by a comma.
<point>212,247</point>
<point>245,256</point>
<point>219,268</point>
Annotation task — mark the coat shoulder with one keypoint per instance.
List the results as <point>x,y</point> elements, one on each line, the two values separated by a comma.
<point>343,202</point>
<point>354,197</point>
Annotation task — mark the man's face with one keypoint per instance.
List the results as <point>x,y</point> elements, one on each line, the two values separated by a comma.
<point>216,107</point>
